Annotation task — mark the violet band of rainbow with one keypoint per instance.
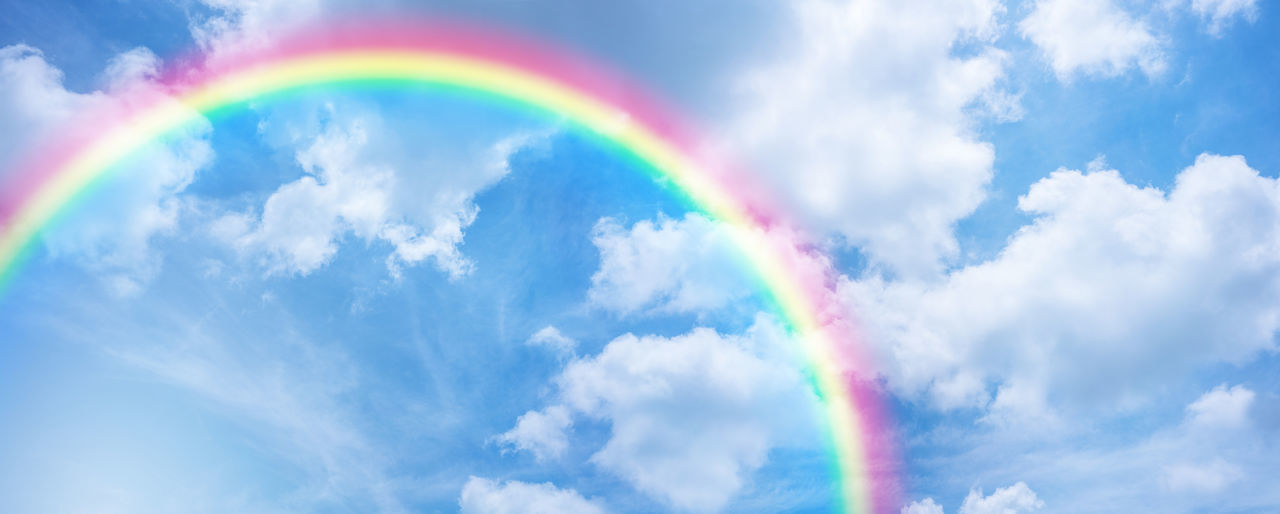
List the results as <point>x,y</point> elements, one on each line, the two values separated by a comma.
<point>612,110</point>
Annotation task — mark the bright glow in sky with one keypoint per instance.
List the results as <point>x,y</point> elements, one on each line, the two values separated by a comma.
<point>1056,222</point>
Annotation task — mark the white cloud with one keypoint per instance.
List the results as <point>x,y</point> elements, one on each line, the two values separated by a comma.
<point>1014,499</point>
<point>1093,37</point>
<point>688,265</point>
<point>1204,478</point>
<point>364,178</point>
<point>694,415</point>
<point>925,506</point>
<point>1222,408</point>
<point>1221,13</point>
<point>229,26</point>
<point>484,496</point>
<point>864,122</point>
<point>1006,500</point>
<point>139,198</point>
<point>550,337</point>
<point>1112,291</point>
<point>541,433</point>
<point>1217,427</point>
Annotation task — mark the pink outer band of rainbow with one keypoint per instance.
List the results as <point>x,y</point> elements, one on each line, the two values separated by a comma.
<point>795,278</point>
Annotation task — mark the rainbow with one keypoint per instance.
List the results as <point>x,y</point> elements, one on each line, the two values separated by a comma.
<point>512,69</point>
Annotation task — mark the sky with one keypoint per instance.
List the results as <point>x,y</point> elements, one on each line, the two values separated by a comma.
<point>1056,222</point>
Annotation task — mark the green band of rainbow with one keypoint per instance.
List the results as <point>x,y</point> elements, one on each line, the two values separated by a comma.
<point>796,280</point>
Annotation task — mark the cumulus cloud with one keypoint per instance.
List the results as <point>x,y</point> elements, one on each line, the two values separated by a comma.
<point>139,199</point>
<point>864,122</point>
<point>691,416</point>
<point>541,433</point>
<point>685,265</point>
<point>1006,500</point>
<point>1014,499</point>
<point>1093,37</point>
<point>484,496</point>
<point>550,337</point>
<point>363,179</point>
<point>1111,291</point>
<point>1221,408</point>
<point>925,506</point>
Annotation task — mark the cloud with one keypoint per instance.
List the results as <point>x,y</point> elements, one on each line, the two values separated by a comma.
<point>863,123</point>
<point>287,391</point>
<point>1216,424</point>
<point>1112,291</point>
<point>365,179</point>
<point>541,433</point>
<point>484,496</point>
<point>925,506</point>
<point>1222,408</point>
<point>1014,499</point>
<point>691,416</point>
<point>139,198</point>
<point>1006,500</point>
<point>550,337</point>
<point>1184,465</point>
<point>228,26</point>
<point>1092,37</point>
<point>1204,478</point>
<point>686,265</point>
<point>1221,13</point>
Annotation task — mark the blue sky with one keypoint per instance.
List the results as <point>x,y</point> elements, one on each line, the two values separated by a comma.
<point>1055,220</point>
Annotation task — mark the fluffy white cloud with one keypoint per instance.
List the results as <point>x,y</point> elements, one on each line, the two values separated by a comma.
<point>692,416</point>
<point>1221,13</point>
<point>1222,408</point>
<point>688,265</point>
<point>139,198</point>
<point>541,433</point>
<point>925,506</point>
<point>1006,500</point>
<point>364,179</point>
<point>864,122</point>
<point>1092,37</point>
<point>1113,290</point>
<point>550,337</point>
<point>484,496</point>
